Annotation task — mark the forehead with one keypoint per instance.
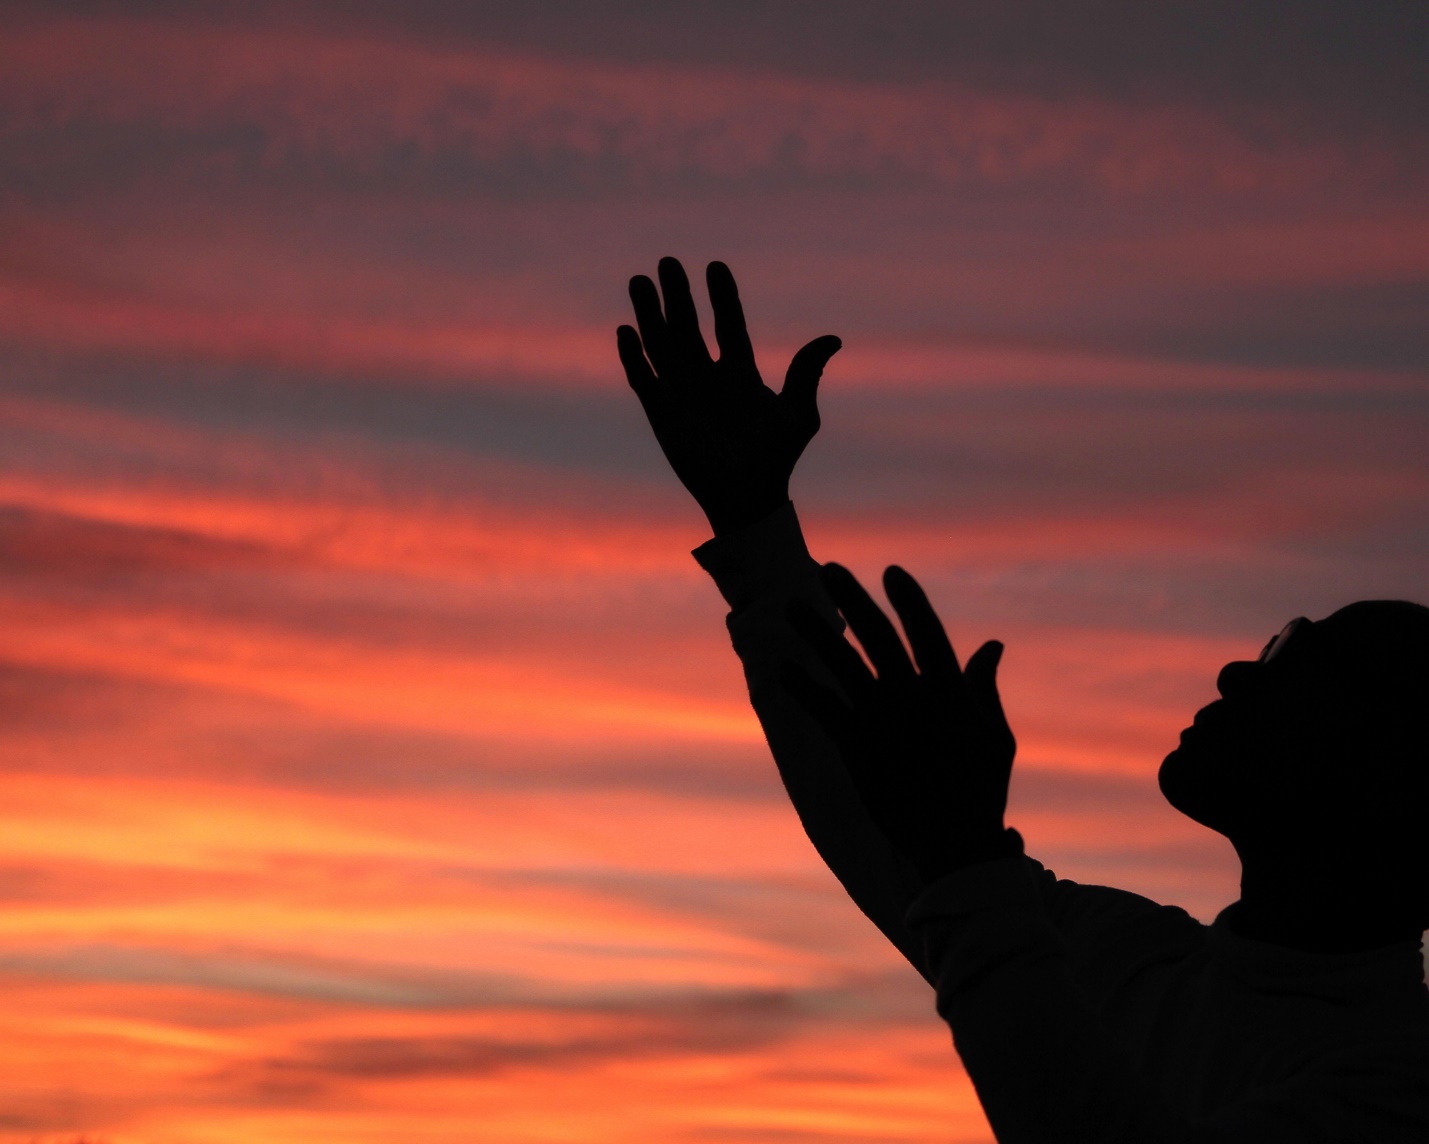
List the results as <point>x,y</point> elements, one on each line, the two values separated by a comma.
<point>1385,638</point>
<point>1382,624</point>
<point>1358,648</point>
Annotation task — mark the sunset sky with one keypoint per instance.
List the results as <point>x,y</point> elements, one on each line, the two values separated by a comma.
<point>374,765</point>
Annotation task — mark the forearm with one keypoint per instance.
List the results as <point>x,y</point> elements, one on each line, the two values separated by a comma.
<point>760,572</point>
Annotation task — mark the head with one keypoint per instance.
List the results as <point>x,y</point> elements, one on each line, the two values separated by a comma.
<point>1319,748</point>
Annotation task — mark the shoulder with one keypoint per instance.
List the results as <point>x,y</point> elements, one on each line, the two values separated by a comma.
<point>1090,910</point>
<point>1113,934</point>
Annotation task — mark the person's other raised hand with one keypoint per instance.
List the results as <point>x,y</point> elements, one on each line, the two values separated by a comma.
<point>731,440</point>
<point>925,741</point>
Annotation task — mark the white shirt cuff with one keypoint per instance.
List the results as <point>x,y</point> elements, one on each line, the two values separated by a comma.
<point>765,557</point>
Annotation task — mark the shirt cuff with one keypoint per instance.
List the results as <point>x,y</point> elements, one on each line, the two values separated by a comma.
<point>756,560</point>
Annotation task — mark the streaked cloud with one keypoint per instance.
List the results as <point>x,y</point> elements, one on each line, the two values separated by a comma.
<point>387,111</point>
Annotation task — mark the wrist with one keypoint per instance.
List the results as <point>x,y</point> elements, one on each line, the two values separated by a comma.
<point>749,511</point>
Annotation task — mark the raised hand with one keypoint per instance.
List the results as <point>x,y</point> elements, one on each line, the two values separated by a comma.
<point>731,440</point>
<point>926,744</point>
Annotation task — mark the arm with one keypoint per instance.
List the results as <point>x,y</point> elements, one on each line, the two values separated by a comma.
<point>733,442</point>
<point>761,571</point>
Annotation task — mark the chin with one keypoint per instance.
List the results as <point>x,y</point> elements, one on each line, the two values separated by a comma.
<point>1168,777</point>
<point>1182,778</point>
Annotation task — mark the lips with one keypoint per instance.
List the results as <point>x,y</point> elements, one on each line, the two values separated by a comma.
<point>1207,714</point>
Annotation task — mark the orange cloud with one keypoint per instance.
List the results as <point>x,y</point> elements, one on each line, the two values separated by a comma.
<point>163,1059</point>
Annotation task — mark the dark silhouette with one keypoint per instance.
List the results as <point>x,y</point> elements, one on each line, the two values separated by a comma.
<point>1082,1013</point>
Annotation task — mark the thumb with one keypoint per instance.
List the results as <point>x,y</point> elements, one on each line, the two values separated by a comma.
<point>981,676</point>
<point>801,382</point>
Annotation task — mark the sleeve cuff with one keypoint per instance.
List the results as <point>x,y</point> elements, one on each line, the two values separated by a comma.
<point>755,560</point>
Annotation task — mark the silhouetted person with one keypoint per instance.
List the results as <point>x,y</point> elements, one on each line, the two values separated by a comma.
<point>1082,1013</point>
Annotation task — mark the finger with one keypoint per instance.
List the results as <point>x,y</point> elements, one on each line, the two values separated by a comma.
<point>801,382</point>
<point>653,331</point>
<point>731,333</point>
<point>833,651</point>
<point>822,703</point>
<point>931,648</point>
<point>683,322</point>
<point>637,370</point>
<point>875,631</point>
<point>981,677</point>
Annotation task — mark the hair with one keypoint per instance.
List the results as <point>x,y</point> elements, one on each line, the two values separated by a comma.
<point>1379,652</point>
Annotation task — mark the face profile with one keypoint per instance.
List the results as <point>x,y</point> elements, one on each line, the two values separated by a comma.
<point>1219,773</point>
<point>1320,746</point>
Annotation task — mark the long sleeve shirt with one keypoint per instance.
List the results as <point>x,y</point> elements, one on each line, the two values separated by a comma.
<point>1084,1013</point>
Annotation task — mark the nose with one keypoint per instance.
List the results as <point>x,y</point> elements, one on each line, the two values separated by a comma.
<point>1235,678</point>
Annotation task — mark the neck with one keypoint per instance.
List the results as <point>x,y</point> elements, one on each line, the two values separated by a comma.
<point>1326,907</point>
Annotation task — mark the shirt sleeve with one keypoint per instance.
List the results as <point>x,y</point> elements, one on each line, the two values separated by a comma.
<point>759,571</point>
<point>1047,1070</point>
<point>1110,935</point>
